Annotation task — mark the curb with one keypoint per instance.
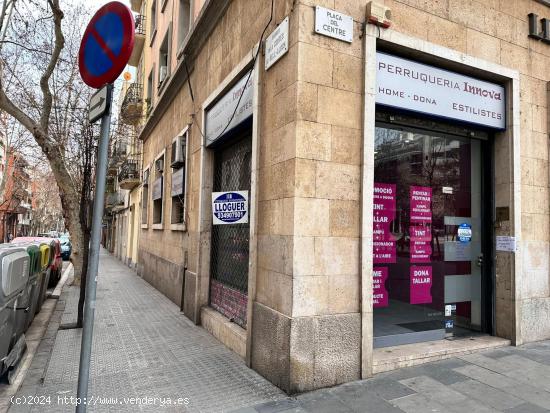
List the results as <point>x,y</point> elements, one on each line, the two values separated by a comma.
<point>59,287</point>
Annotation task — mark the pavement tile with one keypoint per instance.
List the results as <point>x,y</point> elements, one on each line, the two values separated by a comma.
<point>526,408</point>
<point>388,389</point>
<point>488,395</point>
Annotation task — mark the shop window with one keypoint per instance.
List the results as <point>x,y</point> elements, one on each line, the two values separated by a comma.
<point>184,21</point>
<point>145,197</point>
<point>164,58</point>
<point>157,190</point>
<point>178,163</point>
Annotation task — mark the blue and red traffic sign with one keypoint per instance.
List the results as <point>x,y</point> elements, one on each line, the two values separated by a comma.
<point>106,45</point>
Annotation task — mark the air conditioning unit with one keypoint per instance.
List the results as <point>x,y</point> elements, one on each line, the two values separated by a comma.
<point>159,164</point>
<point>163,73</point>
<point>178,152</point>
<point>378,14</point>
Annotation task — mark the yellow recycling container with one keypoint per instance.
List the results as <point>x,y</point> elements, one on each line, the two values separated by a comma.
<point>45,257</point>
<point>45,260</point>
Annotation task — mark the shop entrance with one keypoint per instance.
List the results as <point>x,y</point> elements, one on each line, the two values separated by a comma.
<point>230,243</point>
<point>432,234</point>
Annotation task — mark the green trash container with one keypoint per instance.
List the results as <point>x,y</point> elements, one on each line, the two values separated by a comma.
<point>35,277</point>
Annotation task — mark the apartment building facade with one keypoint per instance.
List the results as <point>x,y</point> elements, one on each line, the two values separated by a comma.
<point>347,186</point>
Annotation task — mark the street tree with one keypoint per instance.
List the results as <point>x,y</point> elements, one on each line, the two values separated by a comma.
<point>50,101</point>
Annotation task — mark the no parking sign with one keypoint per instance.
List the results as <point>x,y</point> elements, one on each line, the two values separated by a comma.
<point>106,45</point>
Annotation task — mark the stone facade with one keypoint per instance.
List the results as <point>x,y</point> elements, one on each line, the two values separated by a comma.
<point>310,305</point>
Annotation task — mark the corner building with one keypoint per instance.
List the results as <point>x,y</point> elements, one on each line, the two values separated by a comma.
<point>396,180</point>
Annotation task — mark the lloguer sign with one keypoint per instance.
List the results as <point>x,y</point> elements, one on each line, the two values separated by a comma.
<point>405,84</point>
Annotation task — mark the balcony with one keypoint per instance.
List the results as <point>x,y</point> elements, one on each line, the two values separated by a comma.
<point>131,109</point>
<point>128,177</point>
<point>114,200</point>
<point>139,40</point>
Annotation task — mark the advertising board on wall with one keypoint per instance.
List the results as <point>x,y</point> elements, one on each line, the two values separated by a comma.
<point>157,189</point>
<point>219,116</point>
<point>177,182</point>
<point>405,84</point>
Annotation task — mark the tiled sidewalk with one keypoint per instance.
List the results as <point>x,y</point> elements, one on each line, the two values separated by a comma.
<point>143,347</point>
<point>511,379</point>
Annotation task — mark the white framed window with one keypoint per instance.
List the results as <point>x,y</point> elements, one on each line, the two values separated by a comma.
<point>153,21</point>
<point>178,165</point>
<point>165,51</point>
<point>184,22</point>
<point>157,189</point>
<point>145,198</point>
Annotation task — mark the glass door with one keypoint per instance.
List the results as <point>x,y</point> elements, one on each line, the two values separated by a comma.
<point>427,240</point>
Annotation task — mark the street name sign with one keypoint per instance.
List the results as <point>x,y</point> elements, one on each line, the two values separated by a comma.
<point>99,104</point>
<point>106,45</point>
<point>333,24</point>
<point>276,45</point>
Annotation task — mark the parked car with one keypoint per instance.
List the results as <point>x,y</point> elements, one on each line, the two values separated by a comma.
<point>56,266</point>
<point>66,247</point>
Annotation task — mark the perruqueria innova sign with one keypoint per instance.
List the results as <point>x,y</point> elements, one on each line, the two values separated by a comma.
<point>230,207</point>
<point>405,84</point>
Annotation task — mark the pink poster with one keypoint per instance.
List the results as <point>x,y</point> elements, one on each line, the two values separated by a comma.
<point>421,284</point>
<point>421,204</point>
<point>379,292</point>
<point>384,247</point>
<point>420,247</point>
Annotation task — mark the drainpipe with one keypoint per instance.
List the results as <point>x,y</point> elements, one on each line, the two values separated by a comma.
<point>183,281</point>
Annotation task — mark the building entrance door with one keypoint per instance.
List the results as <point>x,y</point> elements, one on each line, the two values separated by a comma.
<point>230,243</point>
<point>431,274</point>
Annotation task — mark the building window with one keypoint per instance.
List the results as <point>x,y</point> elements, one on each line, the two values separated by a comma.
<point>184,21</point>
<point>150,85</point>
<point>178,163</point>
<point>157,189</point>
<point>153,20</point>
<point>164,57</point>
<point>145,197</point>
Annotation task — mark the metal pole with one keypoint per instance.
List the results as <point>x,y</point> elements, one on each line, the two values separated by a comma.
<point>93,260</point>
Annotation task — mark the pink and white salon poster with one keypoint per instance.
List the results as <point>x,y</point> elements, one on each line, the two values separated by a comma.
<point>421,284</point>
<point>384,246</point>
<point>379,292</point>
<point>421,248</point>
<point>421,204</point>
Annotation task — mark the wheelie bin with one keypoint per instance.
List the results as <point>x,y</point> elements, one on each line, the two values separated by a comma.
<point>26,308</point>
<point>14,274</point>
<point>35,278</point>
<point>45,261</point>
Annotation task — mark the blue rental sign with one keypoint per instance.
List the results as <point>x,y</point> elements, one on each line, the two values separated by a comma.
<point>230,207</point>
<point>464,233</point>
<point>106,45</point>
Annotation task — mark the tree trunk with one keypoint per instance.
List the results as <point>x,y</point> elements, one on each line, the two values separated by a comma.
<point>83,279</point>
